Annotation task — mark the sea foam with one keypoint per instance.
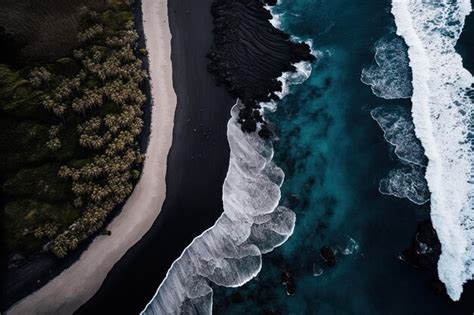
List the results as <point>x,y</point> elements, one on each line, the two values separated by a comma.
<point>230,252</point>
<point>442,114</point>
<point>390,76</point>
<point>408,179</point>
<point>399,131</point>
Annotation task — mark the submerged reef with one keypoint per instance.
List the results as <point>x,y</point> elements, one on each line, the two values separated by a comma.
<point>328,255</point>
<point>250,54</point>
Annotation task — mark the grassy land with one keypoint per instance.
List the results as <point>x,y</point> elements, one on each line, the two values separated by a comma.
<point>69,127</point>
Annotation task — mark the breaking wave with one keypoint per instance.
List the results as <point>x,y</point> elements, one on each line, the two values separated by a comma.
<point>390,76</point>
<point>406,181</point>
<point>345,246</point>
<point>442,115</point>
<point>230,252</point>
<point>303,71</point>
<point>399,131</point>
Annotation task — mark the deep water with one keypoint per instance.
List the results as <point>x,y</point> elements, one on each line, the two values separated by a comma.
<point>333,154</point>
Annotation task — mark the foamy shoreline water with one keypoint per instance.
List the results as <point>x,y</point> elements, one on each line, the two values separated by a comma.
<point>230,252</point>
<point>75,285</point>
<point>442,116</point>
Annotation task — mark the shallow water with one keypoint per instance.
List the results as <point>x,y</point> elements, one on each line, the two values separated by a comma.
<point>334,155</point>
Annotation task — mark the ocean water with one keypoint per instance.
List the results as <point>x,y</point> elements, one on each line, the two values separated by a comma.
<point>443,117</point>
<point>354,174</point>
<point>352,169</point>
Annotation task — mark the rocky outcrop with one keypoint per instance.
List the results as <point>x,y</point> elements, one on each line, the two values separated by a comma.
<point>249,54</point>
<point>424,249</point>
<point>289,282</point>
<point>328,255</point>
<point>424,252</point>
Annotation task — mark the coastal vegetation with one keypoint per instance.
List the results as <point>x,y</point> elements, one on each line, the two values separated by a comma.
<point>32,30</point>
<point>69,131</point>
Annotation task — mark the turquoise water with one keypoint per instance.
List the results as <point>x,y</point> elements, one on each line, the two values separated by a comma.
<point>334,155</point>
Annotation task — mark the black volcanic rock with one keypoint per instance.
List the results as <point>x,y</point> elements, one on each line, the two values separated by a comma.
<point>328,255</point>
<point>424,252</point>
<point>289,282</point>
<point>249,54</point>
<point>424,249</point>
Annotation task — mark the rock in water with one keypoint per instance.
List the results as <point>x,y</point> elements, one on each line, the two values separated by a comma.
<point>425,248</point>
<point>424,252</point>
<point>328,255</point>
<point>289,283</point>
<point>249,54</point>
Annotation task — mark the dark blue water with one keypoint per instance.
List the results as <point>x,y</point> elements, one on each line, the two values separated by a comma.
<point>334,155</point>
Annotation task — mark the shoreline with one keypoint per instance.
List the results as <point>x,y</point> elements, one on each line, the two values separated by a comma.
<point>192,182</point>
<point>74,286</point>
<point>41,267</point>
<point>249,161</point>
<point>197,165</point>
<point>447,152</point>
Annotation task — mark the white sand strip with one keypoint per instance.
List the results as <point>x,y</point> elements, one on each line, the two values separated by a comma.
<point>74,286</point>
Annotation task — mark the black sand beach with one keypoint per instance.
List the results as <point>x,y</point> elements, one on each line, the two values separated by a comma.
<point>197,165</point>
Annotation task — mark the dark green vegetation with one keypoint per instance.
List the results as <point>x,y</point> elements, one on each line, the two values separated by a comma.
<point>69,127</point>
<point>42,29</point>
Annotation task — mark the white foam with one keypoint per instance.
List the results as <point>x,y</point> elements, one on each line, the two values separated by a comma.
<point>276,17</point>
<point>399,131</point>
<point>349,246</point>
<point>390,76</point>
<point>229,253</point>
<point>406,181</point>
<point>442,115</point>
<point>317,270</point>
<point>302,73</point>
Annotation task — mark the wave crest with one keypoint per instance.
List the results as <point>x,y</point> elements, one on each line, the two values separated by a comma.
<point>399,131</point>
<point>443,116</point>
<point>390,76</point>
<point>230,252</point>
<point>407,181</point>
